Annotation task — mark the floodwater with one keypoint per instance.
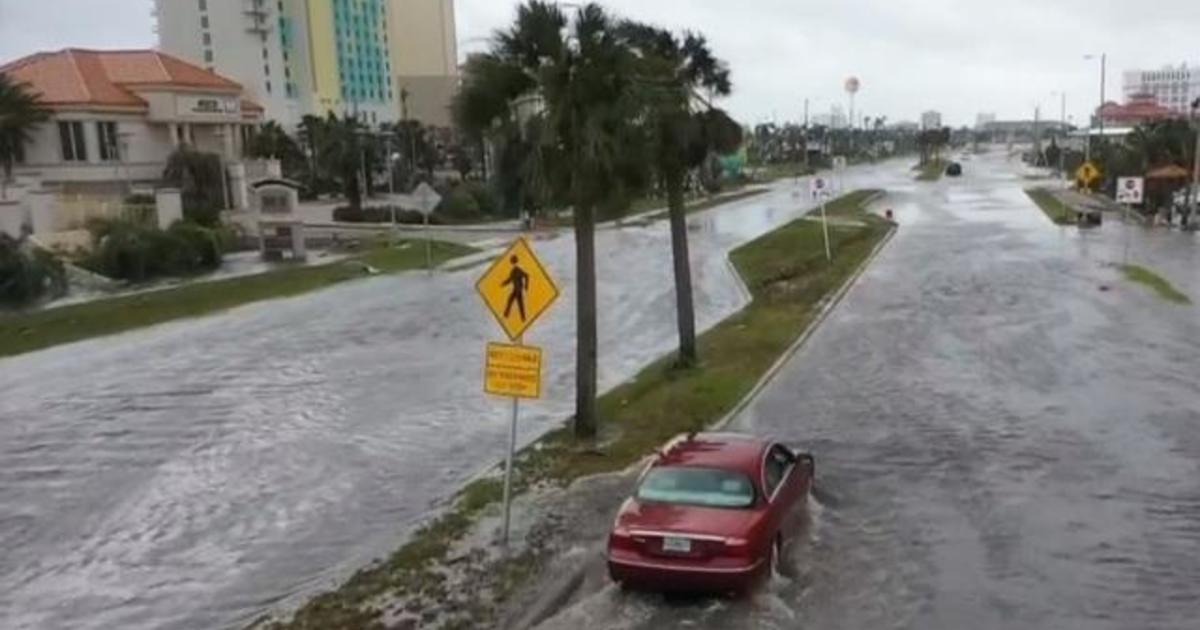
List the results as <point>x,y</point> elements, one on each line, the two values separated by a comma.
<point>199,473</point>
<point>1007,434</point>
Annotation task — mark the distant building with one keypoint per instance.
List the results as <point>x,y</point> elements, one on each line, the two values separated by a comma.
<point>1175,88</point>
<point>116,116</point>
<point>983,119</point>
<point>835,119</point>
<point>371,58</point>
<point>904,125</point>
<point>1024,130</point>
<point>931,120</point>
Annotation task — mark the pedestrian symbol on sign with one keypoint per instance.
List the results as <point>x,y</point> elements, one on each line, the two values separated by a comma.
<point>518,281</point>
<point>517,289</point>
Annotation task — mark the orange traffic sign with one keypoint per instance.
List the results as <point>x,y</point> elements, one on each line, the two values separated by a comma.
<point>513,371</point>
<point>517,289</point>
<point>1087,173</point>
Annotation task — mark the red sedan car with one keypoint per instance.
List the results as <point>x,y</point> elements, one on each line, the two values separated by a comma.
<point>712,513</point>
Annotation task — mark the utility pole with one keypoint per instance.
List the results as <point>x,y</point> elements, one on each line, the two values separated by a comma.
<point>806,135</point>
<point>1099,113</point>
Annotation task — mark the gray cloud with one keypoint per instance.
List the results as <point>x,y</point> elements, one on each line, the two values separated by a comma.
<point>957,56</point>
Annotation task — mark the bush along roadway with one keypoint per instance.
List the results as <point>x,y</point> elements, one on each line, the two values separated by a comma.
<point>35,330</point>
<point>448,575</point>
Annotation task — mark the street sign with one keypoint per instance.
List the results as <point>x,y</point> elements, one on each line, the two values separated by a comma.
<point>513,371</point>
<point>818,188</point>
<point>839,162</point>
<point>426,199</point>
<point>1087,173</point>
<point>517,289</point>
<point>1130,190</point>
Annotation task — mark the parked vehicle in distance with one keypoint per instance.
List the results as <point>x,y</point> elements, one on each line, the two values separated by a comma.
<point>954,169</point>
<point>712,513</point>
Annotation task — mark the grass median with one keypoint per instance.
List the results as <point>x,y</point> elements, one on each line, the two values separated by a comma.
<point>1157,283</point>
<point>930,171</point>
<point>26,332</point>
<point>1055,209</point>
<point>789,279</point>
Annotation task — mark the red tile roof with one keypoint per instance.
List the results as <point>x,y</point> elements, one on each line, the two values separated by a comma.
<point>1139,108</point>
<point>75,76</point>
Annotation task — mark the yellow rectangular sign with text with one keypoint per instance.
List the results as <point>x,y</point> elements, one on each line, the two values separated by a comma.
<point>513,371</point>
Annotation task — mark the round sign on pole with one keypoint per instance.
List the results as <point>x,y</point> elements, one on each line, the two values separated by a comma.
<point>853,84</point>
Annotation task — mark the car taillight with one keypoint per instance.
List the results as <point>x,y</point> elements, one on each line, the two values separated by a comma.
<point>737,547</point>
<point>621,538</point>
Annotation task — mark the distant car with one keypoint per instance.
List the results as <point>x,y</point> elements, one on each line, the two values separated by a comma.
<point>712,513</point>
<point>954,169</point>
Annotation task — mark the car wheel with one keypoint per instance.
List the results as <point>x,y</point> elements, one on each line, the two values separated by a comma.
<point>780,567</point>
<point>776,557</point>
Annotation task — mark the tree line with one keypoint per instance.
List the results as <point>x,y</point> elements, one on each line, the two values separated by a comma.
<point>584,109</point>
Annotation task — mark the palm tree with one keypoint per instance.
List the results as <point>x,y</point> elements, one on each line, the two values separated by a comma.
<point>572,77</point>
<point>685,130</point>
<point>21,111</point>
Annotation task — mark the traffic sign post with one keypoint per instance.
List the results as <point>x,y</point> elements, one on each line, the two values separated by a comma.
<point>818,189</point>
<point>1130,192</point>
<point>427,200</point>
<point>517,290</point>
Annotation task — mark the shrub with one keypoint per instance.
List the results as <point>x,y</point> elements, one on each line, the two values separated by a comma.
<point>141,199</point>
<point>199,177</point>
<point>460,206</point>
<point>136,253</point>
<point>381,214</point>
<point>203,244</point>
<point>486,199</point>
<point>28,274</point>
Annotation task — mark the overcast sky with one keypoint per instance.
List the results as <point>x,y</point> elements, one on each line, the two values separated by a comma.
<point>956,56</point>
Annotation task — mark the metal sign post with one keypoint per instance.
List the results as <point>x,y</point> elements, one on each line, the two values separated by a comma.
<point>427,200</point>
<point>819,189</point>
<point>1130,191</point>
<point>517,290</point>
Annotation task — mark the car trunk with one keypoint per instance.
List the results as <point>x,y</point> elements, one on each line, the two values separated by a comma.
<point>686,531</point>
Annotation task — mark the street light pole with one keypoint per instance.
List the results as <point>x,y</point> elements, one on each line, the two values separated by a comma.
<point>1099,112</point>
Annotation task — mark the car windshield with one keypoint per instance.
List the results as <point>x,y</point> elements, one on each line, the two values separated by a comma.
<point>706,487</point>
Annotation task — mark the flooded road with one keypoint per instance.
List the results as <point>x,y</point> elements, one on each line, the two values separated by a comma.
<point>198,473</point>
<point>1000,443</point>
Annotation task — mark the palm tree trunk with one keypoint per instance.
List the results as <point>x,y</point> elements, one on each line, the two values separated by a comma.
<point>684,308</point>
<point>585,316</point>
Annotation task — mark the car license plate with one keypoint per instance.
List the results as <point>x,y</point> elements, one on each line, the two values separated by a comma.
<point>678,545</point>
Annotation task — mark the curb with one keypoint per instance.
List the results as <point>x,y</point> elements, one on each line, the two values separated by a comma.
<point>551,601</point>
<point>804,337</point>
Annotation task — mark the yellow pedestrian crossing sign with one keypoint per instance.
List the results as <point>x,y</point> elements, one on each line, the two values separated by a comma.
<point>517,289</point>
<point>1087,173</point>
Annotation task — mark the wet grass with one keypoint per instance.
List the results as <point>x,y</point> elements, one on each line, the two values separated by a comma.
<point>785,170</point>
<point>709,204</point>
<point>930,171</point>
<point>789,279</point>
<point>646,204</point>
<point>849,205</point>
<point>26,332</point>
<point>1056,210</point>
<point>1159,284</point>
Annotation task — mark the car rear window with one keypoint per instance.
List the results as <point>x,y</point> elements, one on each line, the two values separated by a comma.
<point>708,487</point>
